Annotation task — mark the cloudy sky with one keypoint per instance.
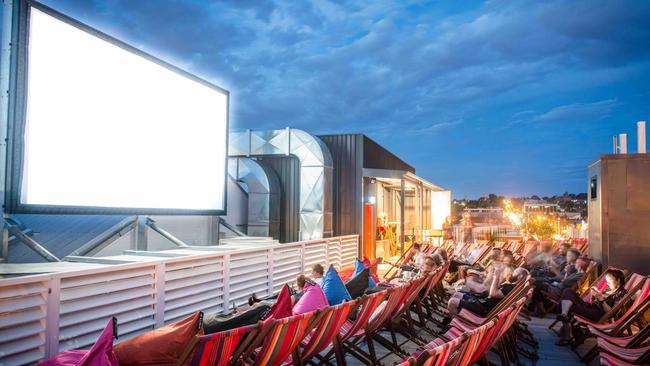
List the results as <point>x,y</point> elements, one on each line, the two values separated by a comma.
<point>507,97</point>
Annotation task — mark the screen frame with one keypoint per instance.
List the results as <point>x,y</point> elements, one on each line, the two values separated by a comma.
<point>17,120</point>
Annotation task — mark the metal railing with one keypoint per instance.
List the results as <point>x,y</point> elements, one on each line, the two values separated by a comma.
<point>42,315</point>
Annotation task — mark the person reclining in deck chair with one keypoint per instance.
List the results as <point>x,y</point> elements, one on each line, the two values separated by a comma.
<point>503,282</point>
<point>538,262</point>
<point>552,288</point>
<point>560,258</point>
<point>416,260</point>
<point>601,303</point>
<point>467,257</point>
<point>317,273</point>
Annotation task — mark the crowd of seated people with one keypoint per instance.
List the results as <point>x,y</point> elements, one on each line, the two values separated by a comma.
<point>480,287</point>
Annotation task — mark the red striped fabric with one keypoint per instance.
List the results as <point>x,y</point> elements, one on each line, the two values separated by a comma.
<point>641,297</point>
<point>216,349</point>
<point>326,330</point>
<point>368,306</point>
<point>283,337</point>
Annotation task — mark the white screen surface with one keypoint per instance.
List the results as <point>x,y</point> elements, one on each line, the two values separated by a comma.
<point>106,127</point>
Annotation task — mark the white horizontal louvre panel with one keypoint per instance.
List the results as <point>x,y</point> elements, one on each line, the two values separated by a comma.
<point>193,285</point>
<point>143,295</point>
<point>349,250</point>
<point>287,263</point>
<point>249,274</point>
<point>22,323</point>
<point>315,252</point>
<point>89,301</point>
<point>334,253</point>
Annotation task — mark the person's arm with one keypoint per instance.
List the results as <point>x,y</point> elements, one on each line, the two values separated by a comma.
<point>495,293</point>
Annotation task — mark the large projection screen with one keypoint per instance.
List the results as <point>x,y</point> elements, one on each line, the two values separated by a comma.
<point>110,129</point>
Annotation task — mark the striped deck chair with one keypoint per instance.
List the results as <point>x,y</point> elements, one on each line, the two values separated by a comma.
<point>367,304</point>
<point>219,349</point>
<point>365,332</point>
<point>279,339</point>
<point>471,345</point>
<point>588,281</point>
<point>404,258</point>
<point>618,356</point>
<point>326,331</point>
<point>641,297</point>
<point>442,354</point>
<point>402,315</point>
<point>617,336</point>
<point>467,317</point>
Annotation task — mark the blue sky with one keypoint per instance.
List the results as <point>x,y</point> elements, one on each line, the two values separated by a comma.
<point>506,97</point>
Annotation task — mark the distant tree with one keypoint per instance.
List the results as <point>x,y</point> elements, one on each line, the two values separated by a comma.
<point>535,197</point>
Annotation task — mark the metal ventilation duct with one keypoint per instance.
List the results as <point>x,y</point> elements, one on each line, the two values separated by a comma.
<point>315,172</point>
<point>263,188</point>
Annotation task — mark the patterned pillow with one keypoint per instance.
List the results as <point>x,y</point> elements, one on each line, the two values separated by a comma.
<point>334,288</point>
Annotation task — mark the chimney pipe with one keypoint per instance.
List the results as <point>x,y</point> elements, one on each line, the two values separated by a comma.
<point>615,144</point>
<point>640,130</point>
<point>622,140</point>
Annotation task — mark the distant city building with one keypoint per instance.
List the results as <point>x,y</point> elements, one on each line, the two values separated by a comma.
<point>489,214</point>
<point>539,206</point>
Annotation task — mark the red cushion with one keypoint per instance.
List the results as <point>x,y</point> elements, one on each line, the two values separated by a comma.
<point>346,273</point>
<point>162,346</point>
<point>373,268</point>
<point>282,307</point>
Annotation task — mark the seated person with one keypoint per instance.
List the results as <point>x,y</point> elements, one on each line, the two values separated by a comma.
<point>601,303</point>
<point>508,259</point>
<point>495,255</point>
<point>553,287</point>
<point>560,259</point>
<point>442,253</point>
<point>416,259</point>
<point>468,258</point>
<point>317,273</point>
<point>500,286</point>
<point>538,263</point>
<point>431,263</point>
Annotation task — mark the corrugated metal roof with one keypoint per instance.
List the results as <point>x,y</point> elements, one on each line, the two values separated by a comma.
<point>60,234</point>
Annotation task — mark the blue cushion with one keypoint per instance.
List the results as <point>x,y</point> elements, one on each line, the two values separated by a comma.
<point>358,267</point>
<point>334,288</point>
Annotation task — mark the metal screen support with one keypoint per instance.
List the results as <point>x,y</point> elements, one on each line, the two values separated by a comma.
<point>230,227</point>
<point>31,243</point>
<point>141,233</point>
<point>164,233</point>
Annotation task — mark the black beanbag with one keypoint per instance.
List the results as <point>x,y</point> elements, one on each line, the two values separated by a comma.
<point>358,284</point>
<point>213,323</point>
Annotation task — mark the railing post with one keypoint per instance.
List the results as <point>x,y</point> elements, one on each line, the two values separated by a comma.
<point>52,317</point>
<point>271,270</point>
<point>159,291</point>
<point>226,282</point>
<point>327,253</point>
<point>302,257</point>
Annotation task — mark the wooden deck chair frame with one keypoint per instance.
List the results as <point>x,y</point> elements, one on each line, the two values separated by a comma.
<point>366,332</point>
<point>633,341</point>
